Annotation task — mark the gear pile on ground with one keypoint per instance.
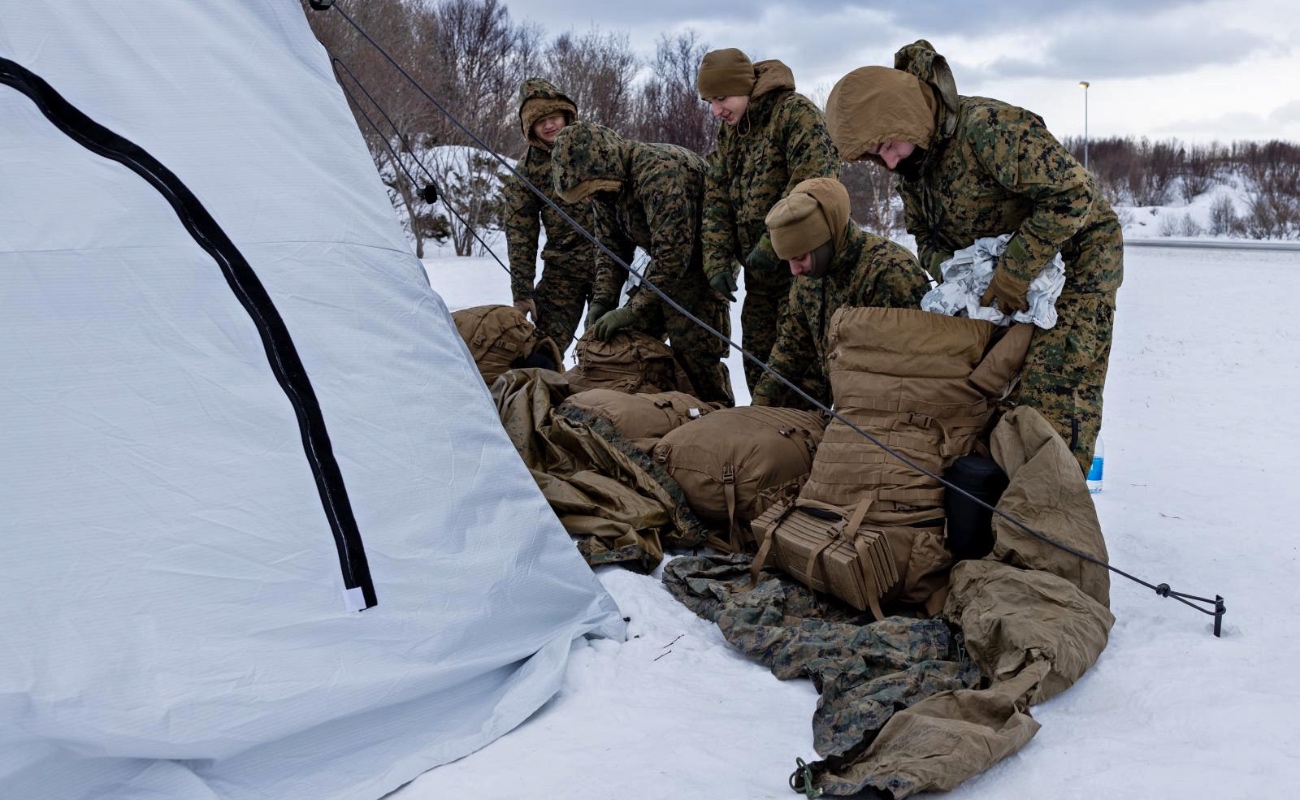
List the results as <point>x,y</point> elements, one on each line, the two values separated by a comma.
<point>936,684</point>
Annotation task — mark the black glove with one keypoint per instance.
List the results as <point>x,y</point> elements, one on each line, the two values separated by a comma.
<point>763,261</point>
<point>613,322</point>
<point>724,283</point>
<point>595,310</point>
<point>1011,292</point>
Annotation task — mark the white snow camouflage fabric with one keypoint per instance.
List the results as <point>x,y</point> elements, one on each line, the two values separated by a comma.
<point>968,273</point>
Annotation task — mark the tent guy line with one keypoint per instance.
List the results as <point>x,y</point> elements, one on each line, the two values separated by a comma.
<point>431,192</point>
<point>1218,608</point>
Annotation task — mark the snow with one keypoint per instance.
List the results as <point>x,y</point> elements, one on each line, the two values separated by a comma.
<point>1200,450</point>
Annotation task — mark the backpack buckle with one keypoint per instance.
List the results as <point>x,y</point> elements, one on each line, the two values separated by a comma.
<point>728,473</point>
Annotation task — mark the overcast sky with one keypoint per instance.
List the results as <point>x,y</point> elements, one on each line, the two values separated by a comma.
<point>1199,71</point>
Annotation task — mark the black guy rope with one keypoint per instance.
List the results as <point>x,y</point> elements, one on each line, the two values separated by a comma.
<point>1162,590</point>
<point>431,192</point>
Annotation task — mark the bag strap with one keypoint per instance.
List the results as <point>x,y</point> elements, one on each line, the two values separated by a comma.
<point>769,536</point>
<point>868,573</point>
<point>864,556</point>
<point>729,491</point>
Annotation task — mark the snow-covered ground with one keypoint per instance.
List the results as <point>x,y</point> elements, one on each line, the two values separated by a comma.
<point>1201,449</point>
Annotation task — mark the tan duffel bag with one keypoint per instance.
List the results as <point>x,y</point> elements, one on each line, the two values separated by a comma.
<point>735,462</point>
<point>642,418</point>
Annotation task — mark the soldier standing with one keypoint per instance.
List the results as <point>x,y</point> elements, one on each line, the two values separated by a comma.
<point>970,167</point>
<point>649,196</point>
<point>771,139</point>
<point>835,264</point>
<point>569,270</point>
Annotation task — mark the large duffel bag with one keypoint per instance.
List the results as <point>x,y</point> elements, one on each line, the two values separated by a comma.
<point>644,418</point>
<point>735,462</point>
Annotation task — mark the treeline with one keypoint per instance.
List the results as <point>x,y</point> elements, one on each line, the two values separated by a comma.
<point>471,56</point>
<point>1142,172</point>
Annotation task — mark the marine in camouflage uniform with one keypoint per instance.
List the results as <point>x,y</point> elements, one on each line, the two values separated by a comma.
<point>649,196</point>
<point>981,167</point>
<point>853,268</point>
<point>569,261</point>
<point>779,140</point>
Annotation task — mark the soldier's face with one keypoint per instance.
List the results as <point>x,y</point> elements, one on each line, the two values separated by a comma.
<point>892,152</point>
<point>814,263</point>
<point>729,109</point>
<point>803,265</point>
<point>548,127</point>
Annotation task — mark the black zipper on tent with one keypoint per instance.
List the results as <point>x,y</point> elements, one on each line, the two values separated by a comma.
<point>244,283</point>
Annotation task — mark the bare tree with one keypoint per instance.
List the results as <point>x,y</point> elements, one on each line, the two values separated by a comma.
<point>875,205</point>
<point>392,114</point>
<point>596,70</point>
<point>670,109</point>
<point>1202,167</point>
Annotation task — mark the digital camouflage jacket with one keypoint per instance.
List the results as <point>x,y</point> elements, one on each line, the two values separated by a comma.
<point>656,208</point>
<point>781,141</point>
<point>526,214</point>
<point>1002,171</point>
<point>868,271</point>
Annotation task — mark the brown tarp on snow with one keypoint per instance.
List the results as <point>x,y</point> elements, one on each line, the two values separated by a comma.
<point>604,489</point>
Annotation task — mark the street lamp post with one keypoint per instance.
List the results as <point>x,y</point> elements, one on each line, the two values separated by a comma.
<point>1085,86</point>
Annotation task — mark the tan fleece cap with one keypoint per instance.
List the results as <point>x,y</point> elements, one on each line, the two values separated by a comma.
<point>815,212</point>
<point>797,226</point>
<point>725,73</point>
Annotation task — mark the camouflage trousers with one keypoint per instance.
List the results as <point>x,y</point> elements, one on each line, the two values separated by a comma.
<point>765,299</point>
<point>1065,370</point>
<point>698,352</point>
<point>561,296</point>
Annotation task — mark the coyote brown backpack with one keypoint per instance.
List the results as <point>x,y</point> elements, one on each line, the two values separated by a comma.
<point>736,462</point>
<point>642,418</point>
<point>925,385</point>
<point>630,362</point>
<point>501,338</point>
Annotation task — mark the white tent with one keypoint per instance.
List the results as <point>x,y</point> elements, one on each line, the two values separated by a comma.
<point>232,415</point>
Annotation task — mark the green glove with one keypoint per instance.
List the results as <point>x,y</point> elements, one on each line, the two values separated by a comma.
<point>762,260</point>
<point>1011,293</point>
<point>595,310</point>
<point>724,283</point>
<point>613,322</point>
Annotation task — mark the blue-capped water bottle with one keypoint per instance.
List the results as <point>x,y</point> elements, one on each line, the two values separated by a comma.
<point>1098,467</point>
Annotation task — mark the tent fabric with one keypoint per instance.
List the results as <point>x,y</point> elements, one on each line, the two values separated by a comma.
<point>178,624</point>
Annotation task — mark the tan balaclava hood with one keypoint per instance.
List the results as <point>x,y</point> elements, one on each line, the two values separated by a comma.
<point>814,213</point>
<point>874,105</point>
<point>725,73</point>
<point>538,98</point>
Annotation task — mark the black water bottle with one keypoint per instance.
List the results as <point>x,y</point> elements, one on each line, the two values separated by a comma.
<point>970,525</point>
